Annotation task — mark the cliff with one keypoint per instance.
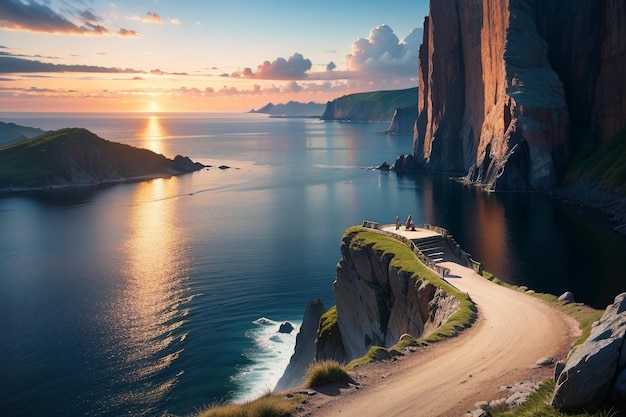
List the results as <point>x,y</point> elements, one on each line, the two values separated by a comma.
<point>382,292</point>
<point>377,106</point>
<point>72,157</point>
<point>403,121</point>
<point>510,91</point>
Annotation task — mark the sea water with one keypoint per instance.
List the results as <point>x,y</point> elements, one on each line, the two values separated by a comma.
<point>165,296</point>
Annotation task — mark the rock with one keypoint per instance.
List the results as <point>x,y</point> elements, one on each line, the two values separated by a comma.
<point>567,296</point>
<point>502,89</point>
<point>378,303</point>
<point>184,164</point>
<point>223,167</point>
<point>304,351</point>
<point>405,163</point>
<point>592,374</point>
<point>384,166</point>
<point>403,121</point>
<point>544,362</point>
<point>286,327</point>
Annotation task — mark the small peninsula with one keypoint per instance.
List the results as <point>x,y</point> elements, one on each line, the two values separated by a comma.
<point>77,157</point>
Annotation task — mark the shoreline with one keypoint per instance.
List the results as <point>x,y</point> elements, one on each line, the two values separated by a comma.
<point>593,196</point>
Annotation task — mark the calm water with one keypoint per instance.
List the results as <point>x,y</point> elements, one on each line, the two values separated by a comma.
<point>164,296</point>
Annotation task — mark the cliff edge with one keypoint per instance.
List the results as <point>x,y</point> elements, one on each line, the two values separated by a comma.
<point>382,292</point>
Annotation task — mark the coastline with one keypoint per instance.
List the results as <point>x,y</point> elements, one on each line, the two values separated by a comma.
<point>588,194</point>
<point>379,380</point>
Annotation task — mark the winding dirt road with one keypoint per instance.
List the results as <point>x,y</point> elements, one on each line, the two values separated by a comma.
<point>512,332</point>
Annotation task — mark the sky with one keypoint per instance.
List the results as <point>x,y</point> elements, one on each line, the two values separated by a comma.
<point>201,56</point>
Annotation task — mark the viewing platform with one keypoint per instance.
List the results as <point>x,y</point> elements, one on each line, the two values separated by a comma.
<point>431,244</point>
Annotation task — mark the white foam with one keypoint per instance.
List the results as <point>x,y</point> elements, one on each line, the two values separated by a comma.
<point>269,357</point>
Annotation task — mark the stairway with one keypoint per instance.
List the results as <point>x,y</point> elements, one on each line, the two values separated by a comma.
<point>432,247</point>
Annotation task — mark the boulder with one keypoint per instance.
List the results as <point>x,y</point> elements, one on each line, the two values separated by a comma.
<point>567,296</point>
<point>593,374</point>
<point>286,327</point>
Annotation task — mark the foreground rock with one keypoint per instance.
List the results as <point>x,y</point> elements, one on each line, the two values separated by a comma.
<point>595,374</point>
<point>78,157</point>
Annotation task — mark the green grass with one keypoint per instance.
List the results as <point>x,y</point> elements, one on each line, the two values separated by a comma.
<point>269,405</point>
<point>606,166</point>
<point>373,106</point>
<point>326,372</point>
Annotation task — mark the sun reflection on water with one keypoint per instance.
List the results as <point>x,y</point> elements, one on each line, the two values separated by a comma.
<point>152,134</point>
<point>152,305</point>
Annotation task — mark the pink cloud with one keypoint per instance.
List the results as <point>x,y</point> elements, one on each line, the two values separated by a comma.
<point>293,68</point>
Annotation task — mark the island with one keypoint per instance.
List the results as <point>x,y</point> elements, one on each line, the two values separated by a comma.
<point>74,157</point>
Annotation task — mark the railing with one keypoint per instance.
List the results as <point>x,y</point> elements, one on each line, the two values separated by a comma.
<point>456,248</point>
<point>371,225</point>
<point>442,271</point>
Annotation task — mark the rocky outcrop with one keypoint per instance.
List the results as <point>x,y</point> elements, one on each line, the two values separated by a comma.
<point>377,106</point>
<point>509,89</point>
<point>378,302</point>
<point>77,157</point>
<point>403,121</point>
<point>595,373</point>
<point>304,353</point>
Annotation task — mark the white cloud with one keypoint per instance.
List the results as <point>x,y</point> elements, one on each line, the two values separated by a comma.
<point>383,53</point>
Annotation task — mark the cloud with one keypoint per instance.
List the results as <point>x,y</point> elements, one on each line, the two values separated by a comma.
<point>127,32</point>
<point>384,53</point>
<point>152,17</point>
<point>11,64</point>
<point>293,68</point>
<point>331,66</point>
<point>31,16</point>
<point>175,21</point>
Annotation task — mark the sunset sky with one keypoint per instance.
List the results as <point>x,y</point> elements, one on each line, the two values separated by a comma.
<point>186,55</point>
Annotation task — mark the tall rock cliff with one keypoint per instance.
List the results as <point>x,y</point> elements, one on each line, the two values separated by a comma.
<point>378,301</point>
<point>508,89</point>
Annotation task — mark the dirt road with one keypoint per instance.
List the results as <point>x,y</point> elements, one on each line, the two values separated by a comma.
<point>512,332</point>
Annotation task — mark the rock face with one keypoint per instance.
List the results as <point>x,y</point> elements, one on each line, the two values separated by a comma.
<point>595,374</point>
<point>503,84</point>
<point>377,303</point>
<point>304,353</point>
<point>403,121</point>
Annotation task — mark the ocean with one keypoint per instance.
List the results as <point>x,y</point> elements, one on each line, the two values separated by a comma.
<point>165,296</point>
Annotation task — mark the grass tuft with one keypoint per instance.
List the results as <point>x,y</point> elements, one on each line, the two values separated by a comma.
<point>269,405</point>
<point>326,372</point>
